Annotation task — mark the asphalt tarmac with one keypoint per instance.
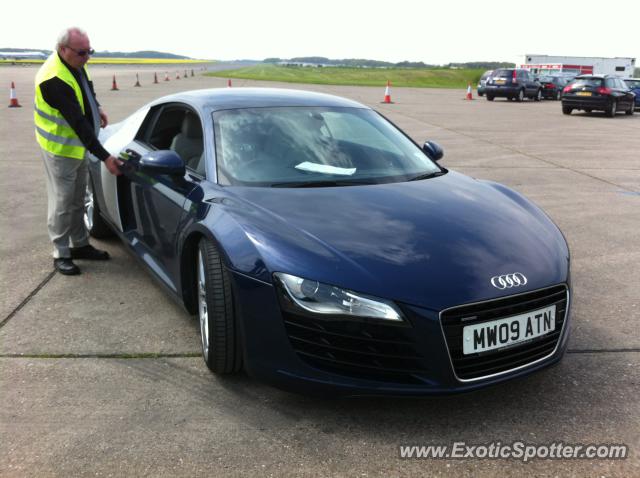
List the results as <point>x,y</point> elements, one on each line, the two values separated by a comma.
<point>100,374</point>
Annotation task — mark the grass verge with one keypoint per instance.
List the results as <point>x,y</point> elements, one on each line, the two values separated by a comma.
<point>416,77</point>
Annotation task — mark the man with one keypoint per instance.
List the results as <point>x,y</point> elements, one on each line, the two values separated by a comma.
<point>68,118</point>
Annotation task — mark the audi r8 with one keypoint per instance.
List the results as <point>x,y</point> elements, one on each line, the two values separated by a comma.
<point>324,251</point>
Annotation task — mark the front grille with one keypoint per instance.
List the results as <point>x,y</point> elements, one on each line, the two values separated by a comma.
<point>357,349</point>
<point>473,366</point>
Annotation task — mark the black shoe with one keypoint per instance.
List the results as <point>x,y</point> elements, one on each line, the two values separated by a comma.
<point>89,252</point>
<point>66,266</point>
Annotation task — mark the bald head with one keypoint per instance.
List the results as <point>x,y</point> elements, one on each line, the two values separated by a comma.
<point>71,45</point>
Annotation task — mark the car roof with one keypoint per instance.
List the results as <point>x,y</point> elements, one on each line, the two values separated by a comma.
<point>597,76</point>
<point>233,98</point>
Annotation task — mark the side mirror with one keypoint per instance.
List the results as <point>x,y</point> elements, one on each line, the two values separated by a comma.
<point>433,150</point>
<point>162,162</point>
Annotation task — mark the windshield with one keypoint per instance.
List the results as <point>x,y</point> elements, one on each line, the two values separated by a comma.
<point>594,82</point>
<point>503,74</point>
<point>294,146</point>
<point>633,83</point>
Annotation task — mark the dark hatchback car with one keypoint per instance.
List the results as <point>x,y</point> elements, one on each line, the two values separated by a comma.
<point>598,92</point>
<point>634,85</point>
<point>482,82</point>
<point>324,251</point>
<point>552,86</point>
<point>513,84</point>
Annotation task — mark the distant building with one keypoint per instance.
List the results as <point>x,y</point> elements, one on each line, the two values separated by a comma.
<point>578,65</point>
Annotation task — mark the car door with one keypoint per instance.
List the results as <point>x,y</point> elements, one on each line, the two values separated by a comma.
<point>625,92</point>
<point>156,201</point>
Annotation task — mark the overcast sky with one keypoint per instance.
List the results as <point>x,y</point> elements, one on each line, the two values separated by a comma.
<point>434,32</point>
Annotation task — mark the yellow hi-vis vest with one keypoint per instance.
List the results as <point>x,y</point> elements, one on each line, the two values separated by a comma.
<point>52,131</point>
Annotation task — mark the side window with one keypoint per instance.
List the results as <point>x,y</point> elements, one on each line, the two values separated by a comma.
<point>177,128</point>
<point>610,83</point>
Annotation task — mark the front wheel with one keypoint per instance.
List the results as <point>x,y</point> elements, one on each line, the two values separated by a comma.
<point>489,98</point>
<point>93,221</point>
<point>520,96</point>
<point>566,110</point>
<point>219,332</point>
<point>558,95</point>
<point>631,109</point>
<point>613,109</point>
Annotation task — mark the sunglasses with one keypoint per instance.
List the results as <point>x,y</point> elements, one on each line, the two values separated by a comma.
<point>89,52</point>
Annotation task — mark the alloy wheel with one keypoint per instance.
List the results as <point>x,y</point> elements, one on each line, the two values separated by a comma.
<point>88,207</point>
<point>203,311</point>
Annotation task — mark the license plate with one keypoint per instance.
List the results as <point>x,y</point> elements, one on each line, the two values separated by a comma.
<point>500,82</point>
<point>511,330</point>
<point>583,93</point>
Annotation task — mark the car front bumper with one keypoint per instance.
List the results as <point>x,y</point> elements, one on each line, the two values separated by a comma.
<point>309,358</point>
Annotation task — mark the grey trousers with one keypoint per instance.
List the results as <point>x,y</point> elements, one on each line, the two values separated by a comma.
<point>66,187</point>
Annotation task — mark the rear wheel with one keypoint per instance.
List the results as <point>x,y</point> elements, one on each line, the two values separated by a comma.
<point>566,110</point>
<point>613,109</point>
<point>489,98</point>
<point>538,95</point>
<point>93,221</point>
<point>219,332</point>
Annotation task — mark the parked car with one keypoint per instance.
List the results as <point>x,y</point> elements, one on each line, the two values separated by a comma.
<point>606,93</point>
<point>324,251</point>
<point>514,84</point>
<point>634,85</point>
<point>482,82</point>
<point>552,86</point>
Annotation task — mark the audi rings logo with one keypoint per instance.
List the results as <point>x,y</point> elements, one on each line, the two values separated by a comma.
<point>508,281</point>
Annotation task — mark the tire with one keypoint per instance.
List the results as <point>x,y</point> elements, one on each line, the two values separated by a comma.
<point>489,98</point>
<point>538,96</point>
<point>93,221</point>
<point>631,109</point>
<point>613,109</point>
<point>566,110</point>
<point>558,95</point>
<point>588,110</point>
<point>520,96</point>
<point>220,337</point>
<point>480,94</point>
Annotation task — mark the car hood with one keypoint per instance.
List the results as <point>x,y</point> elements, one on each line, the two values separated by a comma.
<point>432,243</point>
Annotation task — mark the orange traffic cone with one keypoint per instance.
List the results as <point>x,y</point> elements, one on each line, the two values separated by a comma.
<point>229,83</point>
<point>469,95</point>
<point>387,93</point>
<point>114,85</point>
<point>155,78</point>
<point>13,99</point>
<point>166,76</point>
<point>137,81</point>
<point>177,75</point>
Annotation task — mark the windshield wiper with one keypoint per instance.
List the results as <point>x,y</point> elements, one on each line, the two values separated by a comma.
<point>321,184</point>
<point>434,174</point>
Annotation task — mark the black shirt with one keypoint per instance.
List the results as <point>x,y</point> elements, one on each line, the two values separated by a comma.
<point>61,96</point>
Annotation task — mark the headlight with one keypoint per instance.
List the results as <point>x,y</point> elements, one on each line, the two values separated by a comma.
<point>315,297</point>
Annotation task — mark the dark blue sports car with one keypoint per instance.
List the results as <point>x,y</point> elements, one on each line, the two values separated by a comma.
<point>325,252</point>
